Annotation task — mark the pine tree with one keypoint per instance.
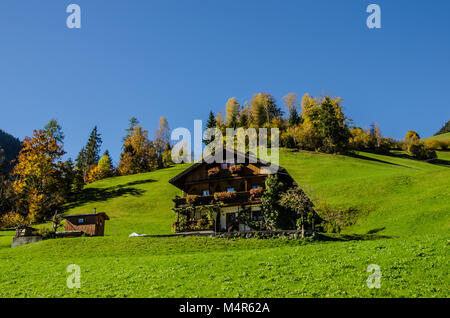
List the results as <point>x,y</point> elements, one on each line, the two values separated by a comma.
<point>55,130</point>
<point>444,129</point>
<point>93,147</point>
<point>108,159</point>
<point>2,163</point>
<point>211,122</point>
<point>162,141</point>
<point>294,118</point>
<point>232,109</point>
<point>89,156</point>
<point>243,120</point>
<point>133,122</point>
<point>332,129</point>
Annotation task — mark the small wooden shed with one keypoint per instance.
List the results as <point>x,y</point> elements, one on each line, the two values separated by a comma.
<point>92,224</point>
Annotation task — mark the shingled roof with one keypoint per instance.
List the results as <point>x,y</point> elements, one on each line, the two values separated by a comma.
<point>248,158</point>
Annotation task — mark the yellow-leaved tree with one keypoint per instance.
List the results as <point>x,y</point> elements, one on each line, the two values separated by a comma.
<point>104,169</point>
<point>42,179</point>
<point>139,153</point>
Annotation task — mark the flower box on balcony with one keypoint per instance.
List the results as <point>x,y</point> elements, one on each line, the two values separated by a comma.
<point>234,169</point>
<point>191,198</point>
<point>213,171</point>
<point>223,196</point>
<point>256,193</point>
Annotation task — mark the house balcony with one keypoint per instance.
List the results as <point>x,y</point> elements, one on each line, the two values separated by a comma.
<point>243,197</point>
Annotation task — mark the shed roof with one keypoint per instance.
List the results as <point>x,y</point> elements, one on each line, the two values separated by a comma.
<point>87,214</point>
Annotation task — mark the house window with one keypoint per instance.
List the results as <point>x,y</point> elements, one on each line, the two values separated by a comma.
<point>224,166</point>
<point>80,221</point>
<point>257,216</point>
<point>230,189</point>
<point>205,193</point>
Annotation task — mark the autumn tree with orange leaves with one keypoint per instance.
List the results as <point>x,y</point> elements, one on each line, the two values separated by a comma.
<point>139,153</point>
<point>42,180</point>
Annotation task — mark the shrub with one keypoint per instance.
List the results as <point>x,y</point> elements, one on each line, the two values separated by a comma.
<point>445,144</point>
<point>433,144</point>
<point>287,140</point>
<point>273,211</point>
<point>46,233</point>
<point>411,136</point>
<point>203,224</point>
<point>11,220</point>
<point>335,219</point>
<point>420,151</point>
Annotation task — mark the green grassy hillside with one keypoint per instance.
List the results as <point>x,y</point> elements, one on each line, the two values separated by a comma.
<point>445,136</point>
<point>405,202</point>
<point>208,267</point>
<point>403,196</point>
<point>139,203</point>
<point>395,195</point>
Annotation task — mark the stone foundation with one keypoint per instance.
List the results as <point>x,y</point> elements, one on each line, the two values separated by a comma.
<point>23,240</point>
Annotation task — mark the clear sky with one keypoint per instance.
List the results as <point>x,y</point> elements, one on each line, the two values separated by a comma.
<point>181,58</point>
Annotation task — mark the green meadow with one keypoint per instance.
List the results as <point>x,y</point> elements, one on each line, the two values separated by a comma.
<point>402,224</point>
<point>445,136</point>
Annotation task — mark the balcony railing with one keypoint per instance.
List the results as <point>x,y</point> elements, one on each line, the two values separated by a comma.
<point>240,198</point>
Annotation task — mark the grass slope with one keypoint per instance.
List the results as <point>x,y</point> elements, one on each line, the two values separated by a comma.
<point>397,197</point>
<point>139,203</point>
<point>208,267</point>
<point>401,196</point>
<point>445,136</point>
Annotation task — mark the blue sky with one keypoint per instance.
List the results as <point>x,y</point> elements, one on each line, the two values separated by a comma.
<point>181,58</point>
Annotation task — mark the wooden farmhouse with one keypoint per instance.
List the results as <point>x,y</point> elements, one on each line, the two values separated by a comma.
<point>216,195</point>
<point>92,224</point>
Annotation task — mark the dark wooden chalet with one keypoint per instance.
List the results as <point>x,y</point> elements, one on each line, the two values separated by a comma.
<point>92,224</point>
<point>215,194</point>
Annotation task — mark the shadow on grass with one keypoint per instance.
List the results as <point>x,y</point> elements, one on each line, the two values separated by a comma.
<point>331,237</point>
<point>438,162</point>
<point>91,195</point>
<point>138,182</point>
<point>376,230</point>
<point>359,156</point>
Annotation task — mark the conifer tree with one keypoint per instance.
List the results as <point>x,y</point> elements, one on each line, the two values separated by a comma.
<point>55,130</point>
<point>133,122</point>
<point>89,155</point>
<point>211,122</point>
<point>162,142</point>
<point>232,109</point>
